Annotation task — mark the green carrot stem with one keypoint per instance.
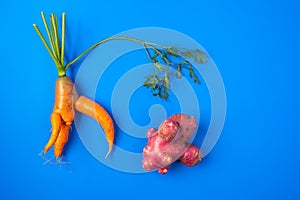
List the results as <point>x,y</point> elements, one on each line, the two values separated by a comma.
<point>47,30</point>
<point>63,30</point>
<point>60,68</point>
<point>108,39</point>
<point>55,36</point>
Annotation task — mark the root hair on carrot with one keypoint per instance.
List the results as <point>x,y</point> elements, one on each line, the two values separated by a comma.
<point>58,161</point>
<point>51,160</point>
<point>47,160</point>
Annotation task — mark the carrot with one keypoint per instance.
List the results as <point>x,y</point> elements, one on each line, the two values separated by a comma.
<point>64,105</point>
<point>63,112</point>
<point>97,112</point>
<point>62,115</point>
<point>61,140</point>
<point>56,125</point>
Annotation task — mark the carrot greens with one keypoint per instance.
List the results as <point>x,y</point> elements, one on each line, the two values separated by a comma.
<point>164,58</point>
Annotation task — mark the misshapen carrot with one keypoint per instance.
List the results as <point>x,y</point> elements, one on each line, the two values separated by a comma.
<point>62,115</point>
<point>63,111</point>
<point>97,112</point>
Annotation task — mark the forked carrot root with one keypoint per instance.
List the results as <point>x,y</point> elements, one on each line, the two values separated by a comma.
<point>97,112</point>
<point>63,115</point>
<point>63,111</point>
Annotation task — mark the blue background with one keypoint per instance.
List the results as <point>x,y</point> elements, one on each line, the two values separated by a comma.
<point>256,47</point>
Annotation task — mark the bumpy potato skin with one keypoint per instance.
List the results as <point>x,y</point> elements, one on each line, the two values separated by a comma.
<point>170,143</point>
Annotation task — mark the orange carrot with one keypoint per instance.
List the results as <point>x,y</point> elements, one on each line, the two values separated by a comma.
<point>97,112</point>
<point>62,115</point>
<point>63,111</point>
<point>64,99</point>
<point>61,140</point>
<point>56,125</point>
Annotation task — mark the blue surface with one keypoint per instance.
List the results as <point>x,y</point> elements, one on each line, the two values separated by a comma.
<point>256,47</point>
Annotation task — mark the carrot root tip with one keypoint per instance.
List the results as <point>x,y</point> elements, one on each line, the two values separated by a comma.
<point>109,151</point>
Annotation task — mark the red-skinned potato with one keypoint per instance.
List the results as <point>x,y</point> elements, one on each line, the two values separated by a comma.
<point>170,143</point>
